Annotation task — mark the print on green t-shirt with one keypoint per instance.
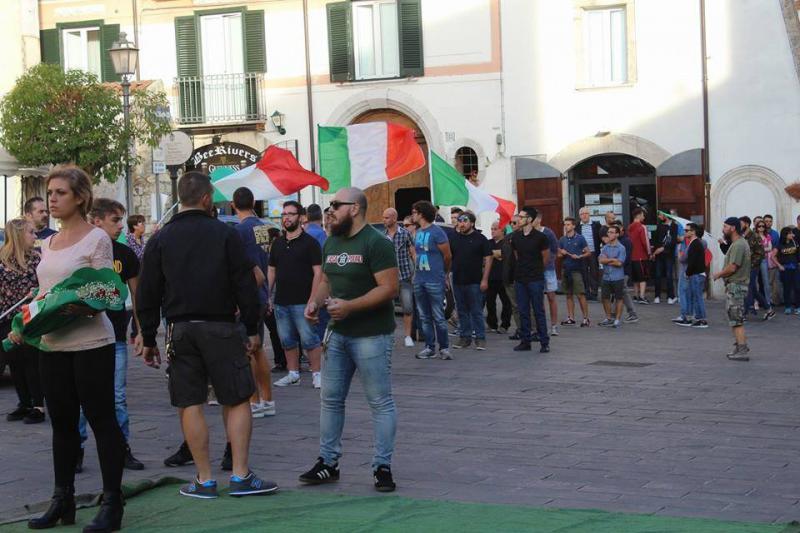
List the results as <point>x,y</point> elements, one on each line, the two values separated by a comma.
<point>350,263</point>
<point>739,253</point>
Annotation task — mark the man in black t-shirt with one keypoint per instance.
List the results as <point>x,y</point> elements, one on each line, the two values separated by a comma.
<point>107,215</point>
<point>532,251</point>
<point>295,270</point>
<point>472,263</point>
<point>496,286</point>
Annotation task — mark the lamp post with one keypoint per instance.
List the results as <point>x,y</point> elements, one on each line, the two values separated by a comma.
<point>277,121</point>
<point>125,57</point>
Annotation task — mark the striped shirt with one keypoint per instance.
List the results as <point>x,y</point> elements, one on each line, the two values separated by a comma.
<point>402,241</point>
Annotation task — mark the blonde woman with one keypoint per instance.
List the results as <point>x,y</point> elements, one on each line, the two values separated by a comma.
<point>77,370</point>
<point>18,262</point>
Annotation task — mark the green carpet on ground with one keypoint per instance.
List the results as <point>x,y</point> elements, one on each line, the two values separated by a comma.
<point>160,508</point>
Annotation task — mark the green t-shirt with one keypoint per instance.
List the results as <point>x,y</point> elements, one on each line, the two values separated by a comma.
<point>739,253</point>
<point>350,264</point>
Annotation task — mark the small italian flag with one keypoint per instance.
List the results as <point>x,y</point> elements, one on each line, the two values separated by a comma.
<point>451,188</point>
<point>367,154</point>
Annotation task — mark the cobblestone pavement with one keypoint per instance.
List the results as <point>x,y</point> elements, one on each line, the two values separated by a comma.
<point>677,430</point>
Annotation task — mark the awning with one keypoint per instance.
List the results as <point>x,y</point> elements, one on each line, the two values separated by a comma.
<point>9,166</point>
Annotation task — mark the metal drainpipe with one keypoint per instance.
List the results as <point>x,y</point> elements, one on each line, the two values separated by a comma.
<point>310,102</point>
<point>706,158</point>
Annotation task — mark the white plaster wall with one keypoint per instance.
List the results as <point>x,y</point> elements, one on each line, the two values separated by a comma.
<point>547,112</point>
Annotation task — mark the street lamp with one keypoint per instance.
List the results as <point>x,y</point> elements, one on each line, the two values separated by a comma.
<point>277,121</point>
<point>125,57</point>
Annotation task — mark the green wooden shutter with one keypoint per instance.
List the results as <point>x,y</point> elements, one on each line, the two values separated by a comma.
<point>340,42</point>
<point>190,90</point>
<point>255,48</point>
<point>109,34</point>
<point>50,46</point>
<point>409,17</point>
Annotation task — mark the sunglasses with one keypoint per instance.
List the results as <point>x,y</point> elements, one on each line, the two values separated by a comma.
<point>336,204</point>
<point>463,218</point>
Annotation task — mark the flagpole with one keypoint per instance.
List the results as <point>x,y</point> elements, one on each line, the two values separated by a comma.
<point>430,173</point>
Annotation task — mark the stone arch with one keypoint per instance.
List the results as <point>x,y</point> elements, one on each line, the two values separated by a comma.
<point>722,188</point>
<point>380,98</point>
<point>620,143</point>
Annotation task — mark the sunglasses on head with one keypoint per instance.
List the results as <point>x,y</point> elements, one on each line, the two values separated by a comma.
<point>336,204</point>
<point>463,218</point>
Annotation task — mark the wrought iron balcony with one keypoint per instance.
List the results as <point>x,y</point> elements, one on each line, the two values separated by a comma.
<point>221,99</point>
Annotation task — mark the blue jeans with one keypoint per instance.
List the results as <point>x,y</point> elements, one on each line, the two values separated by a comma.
<point>791,287</point>
<point>697,284</point>
<point>372,357</point>
<point>529,295</point>
<point>430,307</point>
<point>469,303</point>
<point>684,293</point>
<point>754,294</point>
<point>322,325</point>
<point>120,399</point>
<point>294,329</point>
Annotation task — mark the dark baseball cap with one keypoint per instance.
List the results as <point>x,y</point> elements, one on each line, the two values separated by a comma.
<point>735,223</point>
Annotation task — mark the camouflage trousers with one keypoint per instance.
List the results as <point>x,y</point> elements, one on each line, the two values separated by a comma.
<point>735,294</point>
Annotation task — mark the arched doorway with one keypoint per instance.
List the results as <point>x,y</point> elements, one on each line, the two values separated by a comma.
<point>399,193</point>
<point>614,182</point>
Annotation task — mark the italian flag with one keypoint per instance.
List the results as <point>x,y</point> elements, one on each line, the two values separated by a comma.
<point>367,154</point>
<point>275,175</point>
<point>451,188</point>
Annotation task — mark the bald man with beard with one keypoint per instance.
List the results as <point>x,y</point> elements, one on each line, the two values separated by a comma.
<point>359,283</point>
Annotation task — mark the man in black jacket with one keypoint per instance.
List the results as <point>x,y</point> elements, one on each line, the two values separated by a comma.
<point>195,268</point>
<point>664,256</point>
<point>509,263</point>
<point>695,275</point>
<point>590,229</point>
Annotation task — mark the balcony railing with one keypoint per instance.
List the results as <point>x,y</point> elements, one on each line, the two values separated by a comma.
<point>221,99</point>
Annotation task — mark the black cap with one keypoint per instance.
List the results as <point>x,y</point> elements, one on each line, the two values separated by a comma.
<point>734,223</point>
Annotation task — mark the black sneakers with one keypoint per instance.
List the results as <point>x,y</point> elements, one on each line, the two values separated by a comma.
<point>383,479</point>
<point>18,414</point>
<point>182,457</point>
<point>227,459</point>
<point>34,416</point>
<point>523,347</point>
<point>322,473</point>
<point>131,462</point>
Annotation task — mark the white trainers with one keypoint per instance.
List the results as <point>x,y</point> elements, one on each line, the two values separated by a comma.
<point>672,301</point>
<point>657,300</point>
<point>257,410</point>
<point>409,342</point>
<point>289,379</point>
<point>554,331</point>
<point>316,379</point>
<point>268,408</point>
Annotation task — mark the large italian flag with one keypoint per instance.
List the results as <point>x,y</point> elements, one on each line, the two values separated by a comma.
<point>362,155</point>
<point>451,188</point>
<point>275,175</point>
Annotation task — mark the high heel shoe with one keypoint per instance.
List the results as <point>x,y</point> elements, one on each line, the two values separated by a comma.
<point>62,507</point>
<point>109,517</point>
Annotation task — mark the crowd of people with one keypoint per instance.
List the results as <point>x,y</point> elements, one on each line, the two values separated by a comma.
<point>324,287</point>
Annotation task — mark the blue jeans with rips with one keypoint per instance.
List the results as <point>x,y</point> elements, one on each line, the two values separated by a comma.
<point>469,304</point>
<point>529,295</point>
<point>120,398</point>
<point>430,307</point>
<point>372,357</point>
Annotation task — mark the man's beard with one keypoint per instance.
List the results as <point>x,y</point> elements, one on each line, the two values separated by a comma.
<point>291,227</point>
<point>342,227</point>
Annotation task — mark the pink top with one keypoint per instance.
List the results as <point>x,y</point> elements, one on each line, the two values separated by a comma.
<point>94,250</point>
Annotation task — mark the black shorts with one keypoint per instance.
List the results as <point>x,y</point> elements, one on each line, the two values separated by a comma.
<point>640,271</point>
<point>613,288</point>
<point>209,352</point>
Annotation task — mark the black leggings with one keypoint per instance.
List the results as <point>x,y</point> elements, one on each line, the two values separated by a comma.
<point>75,380</point>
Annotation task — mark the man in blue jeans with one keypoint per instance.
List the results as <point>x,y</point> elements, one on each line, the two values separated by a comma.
<point>433,257</point>
<point>472,262</point>
<point>359,283</point>
<point>532,251</point>
<point>107,215</point>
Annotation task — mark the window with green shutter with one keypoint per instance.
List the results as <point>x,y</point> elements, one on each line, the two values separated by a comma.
<point>190,90</point>
<point>81,45</point>
<point>375,39</point>
<point>255,57</point>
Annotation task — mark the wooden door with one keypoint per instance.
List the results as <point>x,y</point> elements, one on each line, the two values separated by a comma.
<point>381,196</point>
<point>687,194</point>
<point>546,196</point>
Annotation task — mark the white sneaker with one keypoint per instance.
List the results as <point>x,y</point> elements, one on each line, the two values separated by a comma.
<point>409,342</point>
<point>268,408</point>
<point>554,332</point>
<point>672,301</point>
<point>289,379</point>
<point>257,410</point>
<point>657,300</point>
<point>316,379</point>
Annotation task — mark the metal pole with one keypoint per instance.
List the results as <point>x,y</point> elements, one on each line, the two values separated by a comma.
<point>126,105</point>
<point>310,101</point>
<point>706,141</point>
